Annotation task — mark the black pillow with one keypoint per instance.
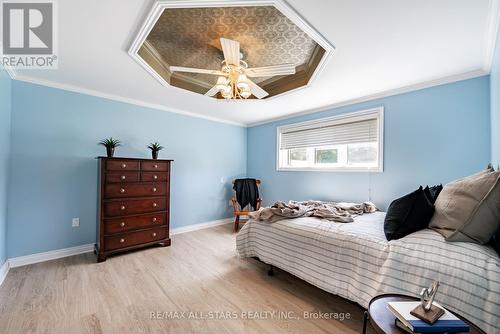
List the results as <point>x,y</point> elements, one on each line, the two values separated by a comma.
<point>408,214</point>
<point>495,241</point>
<point>432,193</point>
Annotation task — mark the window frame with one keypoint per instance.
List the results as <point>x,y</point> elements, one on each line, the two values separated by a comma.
<point>371,113</point>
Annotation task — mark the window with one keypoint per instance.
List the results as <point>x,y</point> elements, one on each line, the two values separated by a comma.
<point>350,142</point>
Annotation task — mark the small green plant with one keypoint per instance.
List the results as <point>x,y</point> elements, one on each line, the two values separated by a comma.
<point>110,142</point>
<point>155,147</point>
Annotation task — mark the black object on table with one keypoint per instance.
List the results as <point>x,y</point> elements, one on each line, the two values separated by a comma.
<point>383,321</point>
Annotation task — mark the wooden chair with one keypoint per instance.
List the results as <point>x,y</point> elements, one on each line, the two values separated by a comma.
<point>239,211</point>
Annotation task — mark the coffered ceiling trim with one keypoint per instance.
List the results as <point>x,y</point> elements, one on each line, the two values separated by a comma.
<point>159,6</point>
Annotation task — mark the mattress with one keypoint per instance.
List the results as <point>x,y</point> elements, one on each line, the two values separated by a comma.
<point>355,261</point>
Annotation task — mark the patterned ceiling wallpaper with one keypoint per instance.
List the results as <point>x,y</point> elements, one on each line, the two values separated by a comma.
<point>190,37</point>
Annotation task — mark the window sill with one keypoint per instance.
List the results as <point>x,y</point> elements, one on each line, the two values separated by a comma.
<point>311,169</point>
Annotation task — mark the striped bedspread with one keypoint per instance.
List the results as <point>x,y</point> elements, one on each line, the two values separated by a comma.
<point>355,261</point>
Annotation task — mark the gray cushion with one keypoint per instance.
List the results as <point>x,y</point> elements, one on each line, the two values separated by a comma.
<point>469,209</point>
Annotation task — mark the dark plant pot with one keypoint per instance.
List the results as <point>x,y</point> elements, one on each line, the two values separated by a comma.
<point>154,154</point>
<point>110,151</point>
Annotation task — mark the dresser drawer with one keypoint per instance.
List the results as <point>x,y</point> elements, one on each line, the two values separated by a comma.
<point>134,190</point>
<point>122,165</point>
<point>154,166</point>
<point>115,177</point>
<point>135,238</point>
<point>131,207</point>
<point>112,226</point>
<point>154,176</point>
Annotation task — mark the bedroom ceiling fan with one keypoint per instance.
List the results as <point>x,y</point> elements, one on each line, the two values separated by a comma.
<point>233,82</point>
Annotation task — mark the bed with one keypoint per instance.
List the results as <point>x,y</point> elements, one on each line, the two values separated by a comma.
<point>355,261</point>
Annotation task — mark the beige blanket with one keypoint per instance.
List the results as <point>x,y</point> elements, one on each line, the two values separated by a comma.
<point>338,212</point>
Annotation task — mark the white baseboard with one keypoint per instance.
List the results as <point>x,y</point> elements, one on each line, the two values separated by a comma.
<point>60,253</point>
<point>50,255</point>
<point>201,226</point>
<point>4,270</point>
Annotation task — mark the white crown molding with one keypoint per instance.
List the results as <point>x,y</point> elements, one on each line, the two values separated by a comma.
<point>11,72</point>
<point>492,27</point>
<point>119,98</point>
<point>366,98</point>
<point>4,270</point>
<point>201,226</point>
<point>379,95</point>
<point>160,5</point>
<point>50,255</point>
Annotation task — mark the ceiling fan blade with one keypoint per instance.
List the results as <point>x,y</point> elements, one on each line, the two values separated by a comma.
<point>271,71</point>
<point>231,51</point>
<point>212,91</point>
<point>256,90</point>
<point>195,70</point>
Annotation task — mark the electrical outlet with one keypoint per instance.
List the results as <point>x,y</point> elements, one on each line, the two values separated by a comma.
<point>76,222</point>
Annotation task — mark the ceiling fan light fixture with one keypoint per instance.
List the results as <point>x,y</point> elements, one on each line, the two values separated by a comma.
<point>226,94</point>
<point>245,93</point>
<point>242,82</point>
<point>221,84</point>
<point>233,79</point>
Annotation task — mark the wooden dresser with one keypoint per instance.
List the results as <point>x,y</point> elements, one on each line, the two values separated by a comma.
<point>134,204</point>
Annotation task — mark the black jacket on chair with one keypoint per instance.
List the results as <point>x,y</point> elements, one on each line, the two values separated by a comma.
<point>247,192</point>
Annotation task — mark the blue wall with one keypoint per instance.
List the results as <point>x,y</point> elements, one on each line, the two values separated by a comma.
<point>5,113</point>
<point>432,136</point>
<point>54,173</point>
<point>495,104</point>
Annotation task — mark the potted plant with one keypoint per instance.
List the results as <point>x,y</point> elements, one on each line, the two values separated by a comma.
<point>110,144</point>
<point>155,148</point>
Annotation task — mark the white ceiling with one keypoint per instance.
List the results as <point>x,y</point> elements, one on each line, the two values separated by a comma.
<point>381,46</point>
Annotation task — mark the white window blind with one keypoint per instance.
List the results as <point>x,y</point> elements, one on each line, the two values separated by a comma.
<point>331,134</point>
<point>350,142</point>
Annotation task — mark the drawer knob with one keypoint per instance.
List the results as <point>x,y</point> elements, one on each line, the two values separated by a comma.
<point>154,189</point>
<point>154,234</point>
<point>154,205</point>
<point>122,207</point>
<point>155,177</point>
<point>123,177</point>
<point>156,166</point>
<point>122,190</point>
<point>154,219</point>
<point>122,240</point>
<point>124,165</point>
<point>122,224</point>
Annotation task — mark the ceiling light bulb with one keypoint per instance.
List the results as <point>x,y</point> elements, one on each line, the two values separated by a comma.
<point>242,82</point>
<point>221,83</point>
<point>226,93</point>
<point>245,93</point>
<point>242,86</point>
<point>242,77</point>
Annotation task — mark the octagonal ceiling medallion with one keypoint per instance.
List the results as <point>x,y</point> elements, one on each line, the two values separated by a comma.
<point>189,34</point>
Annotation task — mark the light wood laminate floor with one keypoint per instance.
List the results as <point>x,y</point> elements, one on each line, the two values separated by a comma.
<point>199,273</point>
